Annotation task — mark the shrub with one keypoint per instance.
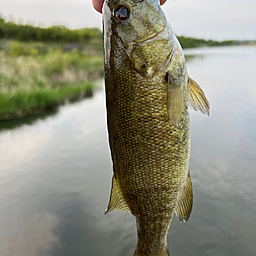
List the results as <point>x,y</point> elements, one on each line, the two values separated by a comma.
<point>10,30</point>
<point>18,49</point>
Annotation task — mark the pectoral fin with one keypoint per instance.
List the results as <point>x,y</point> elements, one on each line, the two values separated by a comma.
<point>175,99</point>
<point>185,203</point>
<point>196,97</point>
<point>117,201</point>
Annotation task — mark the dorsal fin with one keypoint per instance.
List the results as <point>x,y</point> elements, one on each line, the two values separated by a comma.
<point>185,203</point>
<point>116,201</point>
<point>196,97</point>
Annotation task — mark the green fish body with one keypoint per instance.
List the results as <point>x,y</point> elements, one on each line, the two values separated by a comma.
<point>148,92</point>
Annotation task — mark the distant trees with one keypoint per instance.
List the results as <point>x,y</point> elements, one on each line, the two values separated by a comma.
<point>13,31</point>
<point>189,42</point>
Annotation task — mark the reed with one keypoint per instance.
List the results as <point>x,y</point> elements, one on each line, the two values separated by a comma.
<point>39,76</point>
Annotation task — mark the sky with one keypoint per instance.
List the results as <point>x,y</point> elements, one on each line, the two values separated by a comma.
<point>209,19</point>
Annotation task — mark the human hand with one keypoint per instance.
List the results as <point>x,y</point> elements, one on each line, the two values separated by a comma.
<point>97,4</point>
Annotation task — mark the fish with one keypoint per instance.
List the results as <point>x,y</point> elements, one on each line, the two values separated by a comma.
<point>148,95</point>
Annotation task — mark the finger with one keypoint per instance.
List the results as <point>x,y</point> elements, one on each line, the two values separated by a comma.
<point>97,4</point>
<point>162,2</point>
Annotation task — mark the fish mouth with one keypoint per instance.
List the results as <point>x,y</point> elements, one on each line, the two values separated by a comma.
<point>158,35</point>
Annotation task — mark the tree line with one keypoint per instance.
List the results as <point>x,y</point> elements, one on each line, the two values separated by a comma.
<point>13,31</point>
<point>189,42</point>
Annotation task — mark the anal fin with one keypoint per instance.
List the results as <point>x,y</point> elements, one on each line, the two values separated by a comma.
<point>116,201</point>
<point>185,203</point>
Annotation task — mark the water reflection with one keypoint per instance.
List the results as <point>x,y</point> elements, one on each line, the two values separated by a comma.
<point>29,120</point>
<point>79,234</point>
<point>83,233</point>
<point>34,236</point>
<point>191,57</point>
<point>55,173</point>
<point>13,123</point>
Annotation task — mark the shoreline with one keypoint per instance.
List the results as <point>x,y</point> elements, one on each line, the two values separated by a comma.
<point>38,77</point>
<point>42,101</point>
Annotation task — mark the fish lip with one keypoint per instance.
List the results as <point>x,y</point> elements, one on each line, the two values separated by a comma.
<point>152,38</point>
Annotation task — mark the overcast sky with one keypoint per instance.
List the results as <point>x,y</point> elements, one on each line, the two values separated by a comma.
<point>216,19</point>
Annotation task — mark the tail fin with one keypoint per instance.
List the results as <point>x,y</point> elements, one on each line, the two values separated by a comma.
<point>164,252</point>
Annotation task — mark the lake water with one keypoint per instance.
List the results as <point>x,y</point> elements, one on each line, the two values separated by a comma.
<point>55,173</point>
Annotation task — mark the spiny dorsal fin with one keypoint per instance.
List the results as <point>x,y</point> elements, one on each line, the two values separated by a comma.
<point>185,203</point>
<point>175,100</point>
<point>196,97</point>
<point>116,201</point>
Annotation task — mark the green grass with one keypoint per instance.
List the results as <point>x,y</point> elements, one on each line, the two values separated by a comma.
<point>25,102</point>
<point>38,76</point>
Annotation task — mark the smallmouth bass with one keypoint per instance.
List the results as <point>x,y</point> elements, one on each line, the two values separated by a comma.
<point>148,92</point>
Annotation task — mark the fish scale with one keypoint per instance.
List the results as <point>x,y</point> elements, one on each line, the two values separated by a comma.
<point>151,161</point>
<point>147,95</point>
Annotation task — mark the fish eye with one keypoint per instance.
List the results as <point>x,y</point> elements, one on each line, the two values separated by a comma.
<point>122,13</point>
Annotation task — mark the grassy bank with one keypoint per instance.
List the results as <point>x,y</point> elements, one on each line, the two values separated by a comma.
<point>38,76</point>
<point>24,102</point>
<point>41,67</point>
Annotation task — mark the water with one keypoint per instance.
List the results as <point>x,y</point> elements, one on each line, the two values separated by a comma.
<point>55,173</point>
